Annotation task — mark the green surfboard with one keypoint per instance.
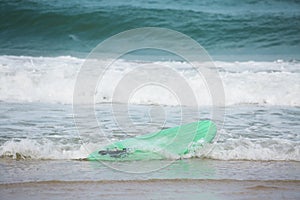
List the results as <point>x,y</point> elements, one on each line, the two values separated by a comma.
<point>168,143</point>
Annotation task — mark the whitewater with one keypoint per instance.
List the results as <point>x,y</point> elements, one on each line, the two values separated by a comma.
<point>52,80</point>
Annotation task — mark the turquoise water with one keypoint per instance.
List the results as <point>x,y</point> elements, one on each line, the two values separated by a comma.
<point>250,28</point>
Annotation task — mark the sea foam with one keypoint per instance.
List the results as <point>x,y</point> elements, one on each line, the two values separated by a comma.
<point>232,149</point>
<point>52,80</point>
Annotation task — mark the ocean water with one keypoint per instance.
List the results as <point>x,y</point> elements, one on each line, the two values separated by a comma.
<point>232,28</point>
<point>254,46</point>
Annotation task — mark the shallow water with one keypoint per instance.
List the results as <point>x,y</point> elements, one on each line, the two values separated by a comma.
<point>191,178</point>
<point>47,131</point>
<point>187,169</point>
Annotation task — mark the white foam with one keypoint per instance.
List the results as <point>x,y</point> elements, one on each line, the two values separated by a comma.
<point>38,79</point>
<point>47,79</point>
<point>260,150</point>
<point>44,149</point>
<point>231,149</point>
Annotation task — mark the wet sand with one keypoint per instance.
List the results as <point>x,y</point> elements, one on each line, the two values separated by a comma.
<point>152,189</point>
<point>183,179</point>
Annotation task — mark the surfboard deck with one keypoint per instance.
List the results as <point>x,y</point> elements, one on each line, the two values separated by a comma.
<point>168,143</point>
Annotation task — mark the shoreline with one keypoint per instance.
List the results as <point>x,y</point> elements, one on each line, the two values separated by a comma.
<point>170,189</point>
